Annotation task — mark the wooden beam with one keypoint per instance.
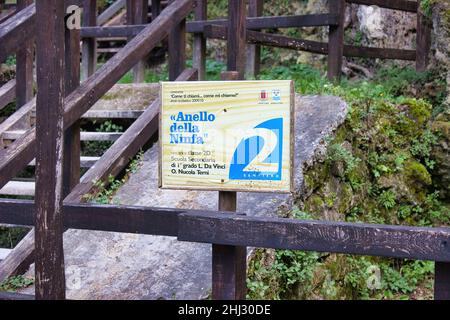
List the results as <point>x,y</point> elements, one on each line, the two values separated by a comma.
<point>199,49</point>
<point>442,281</point>
<point>10,296</point>
<point>403,5</point>
<point>17,30</point>
<point>255,9</point>
<point>110,12</point>
<point>24,67</point>
<point>177,49</point>
<point>336,41</point>
<point>19,259</point>
<point>49,253</point>
<point>22,151</point>
<point>229,263</point>
<point>156,8</point>
<point>405,242</point>
<point>236,37</point>
<point>423,41</point>
<point>7,93</point>
<point>137,14</point>
<point>323,236</point>
<point>272,22</point>
<point>89,48</point>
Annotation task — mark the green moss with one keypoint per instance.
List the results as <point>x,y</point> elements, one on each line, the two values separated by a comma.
<point>314,204</point>
<point>417,172</point>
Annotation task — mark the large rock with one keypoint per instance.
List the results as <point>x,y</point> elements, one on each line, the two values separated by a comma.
<point>102,265</point>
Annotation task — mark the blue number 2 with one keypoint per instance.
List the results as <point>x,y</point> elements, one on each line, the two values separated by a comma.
<point>259,154</point>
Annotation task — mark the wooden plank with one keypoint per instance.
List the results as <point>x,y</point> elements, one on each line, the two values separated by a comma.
<point>236,38</point>
<point>24,67</point>
<point>336,41</point>
<point>137,14</point>
<point>442,281</point>
<point>16,30</point>
<point>272,22</point>
<point>4,253</point>
<point>49,253</point>
<point>199,46</point>
<point>403,5</point>
<point>22,151</point>
<point>89,47</point>
<point>11,122</point>
<point>7,93</point>
<point>85,161</point>
<point>117,157</point>
<point>272,40</point>
<point>229,263</point>
<point>255,9</point>
<point>423,41</point>
<point>323,236</point>
<point>422,243</point>
<point>256,23</point>
<point>156,8</point>
<point>112,114</point>
<point>72,145</point>
<point>11,296</point>
<point>380,53</point>
<point>177,49</point>
<point>110,12</point>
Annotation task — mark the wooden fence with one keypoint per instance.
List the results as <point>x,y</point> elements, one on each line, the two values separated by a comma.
<point>61,101</point>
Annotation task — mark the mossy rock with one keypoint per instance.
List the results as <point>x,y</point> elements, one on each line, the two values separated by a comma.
<point>417,172</point>
<point>413,115</point>
<point>441,155</point>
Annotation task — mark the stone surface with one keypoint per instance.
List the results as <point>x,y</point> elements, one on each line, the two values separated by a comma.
<point>101,265</point>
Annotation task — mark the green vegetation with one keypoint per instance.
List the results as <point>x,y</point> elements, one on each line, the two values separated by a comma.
<point>379,168</point>
<point>16,283</point>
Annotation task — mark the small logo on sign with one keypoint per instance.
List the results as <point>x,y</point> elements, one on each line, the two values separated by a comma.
<point>276,95</point>
<point>264,95</point>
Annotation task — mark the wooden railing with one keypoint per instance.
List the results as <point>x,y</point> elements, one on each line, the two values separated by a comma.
<point>61,101</point>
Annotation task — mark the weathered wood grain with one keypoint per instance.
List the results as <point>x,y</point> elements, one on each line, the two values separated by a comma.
<point>255,9</point>
<point>110,12</point>
<point>7,93</point>
<point>336,41</point>
<point>49,253</point>
<point>236,30</point>
<point>177,49</point>
<point>89,48</point>
<point>442,281</point>
<point>423,41</point>
<point>137,14</point>
<point>199,45</point>
<point>324,236</point>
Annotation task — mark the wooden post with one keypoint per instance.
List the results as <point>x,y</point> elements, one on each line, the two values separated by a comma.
<point>49,255</point>
<point>423,41</point>
<point>71,159</point>
<point>177,49</point>
<point>236,37</point>
<point>89,51</point>
<point>336,41</point>
<point>24,70</point>
<point>442,280</point>
<point>199,50</point>
<point>156,8</point>
<point>137,11</point>
<point>255,9</point>
<point>229,263</point>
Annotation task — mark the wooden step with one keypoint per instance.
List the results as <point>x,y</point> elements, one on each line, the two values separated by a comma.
<point>85,136</point>
<point>85,162</point>
<point>18,188</point>
<point>106,114</point>
<point>4,253</point>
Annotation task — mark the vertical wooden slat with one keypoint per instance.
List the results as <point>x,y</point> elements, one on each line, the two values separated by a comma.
<point>89,59</point>
<point>423,41</point>
<point>71,159</point>
<point>229,263</point>
<point>236,43</point>
<point>49,255</point>
<point>137,13</point>
<point>336,41</point>
<point>177,49</point>
<point>199,50</point>
<point>156,8</point>
<point>24,69</point>
<point>255,9</point>
<point>442,281</point>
